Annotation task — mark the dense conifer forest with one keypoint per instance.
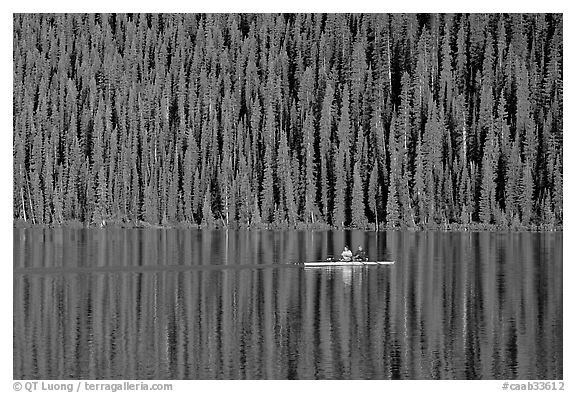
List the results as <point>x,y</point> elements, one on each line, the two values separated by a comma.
<point>292,120</point>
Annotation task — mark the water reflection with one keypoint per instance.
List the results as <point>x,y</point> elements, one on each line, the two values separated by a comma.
<point>137,304</point>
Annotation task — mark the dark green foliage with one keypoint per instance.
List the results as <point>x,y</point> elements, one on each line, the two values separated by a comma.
<point>339,214</point>
<point>326,121</point>
<point>358,207</point>
<point>286,185</point>
<point>207,215</point>
<point>527,194</point>
<point>348,120</point>
<point>488,189</point>
<point>309,170</point>
<point>557,191</point>
<point>373,194</point>
<point>392,213</point>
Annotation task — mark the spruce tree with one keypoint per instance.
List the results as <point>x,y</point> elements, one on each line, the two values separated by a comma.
<point>341,163</point>
<point>373,194</point>
<point>309,170</point>
<point>488,187</point>
<point>325,141</point>
<point>392,208</point>
<point>358,207</point>
<point>339,214</point>
<point>207,214</point>
<point>512,192</point>
<point>527,194</point>
<point>392,204</point>
<point>557,191</point>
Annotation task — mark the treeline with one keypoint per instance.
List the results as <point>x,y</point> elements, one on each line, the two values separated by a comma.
<point>400,120</point>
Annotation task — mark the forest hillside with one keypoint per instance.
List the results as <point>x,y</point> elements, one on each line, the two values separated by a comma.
<point>290,120</point>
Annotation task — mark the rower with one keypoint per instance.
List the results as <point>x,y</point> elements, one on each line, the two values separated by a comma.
<point>360,255</point>
<point>346,254</point>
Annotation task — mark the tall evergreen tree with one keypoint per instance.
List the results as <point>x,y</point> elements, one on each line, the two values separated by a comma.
<point>488,186</point>
<point>527,193</point>
<point>373,194</point>
<point>309,170</point>
<point>325,144</point>
<point>358,206</point>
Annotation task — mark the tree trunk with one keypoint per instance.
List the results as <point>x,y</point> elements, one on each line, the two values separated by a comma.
<point>23,206</point>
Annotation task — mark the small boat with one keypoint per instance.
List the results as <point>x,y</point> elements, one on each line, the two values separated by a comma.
<point>345,263</point>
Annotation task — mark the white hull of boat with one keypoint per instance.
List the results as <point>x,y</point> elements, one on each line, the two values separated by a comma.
<point>344,263</point>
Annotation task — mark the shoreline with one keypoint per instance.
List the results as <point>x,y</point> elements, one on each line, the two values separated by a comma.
<point>453,227</point>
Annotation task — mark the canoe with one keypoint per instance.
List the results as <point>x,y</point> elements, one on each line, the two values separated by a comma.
<point>344,263</point>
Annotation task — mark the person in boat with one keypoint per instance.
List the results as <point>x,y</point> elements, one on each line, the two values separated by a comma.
<point>360,255</point>
<point>346,254</point>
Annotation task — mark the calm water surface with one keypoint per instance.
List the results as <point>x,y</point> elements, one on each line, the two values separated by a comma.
<point>191,304</point>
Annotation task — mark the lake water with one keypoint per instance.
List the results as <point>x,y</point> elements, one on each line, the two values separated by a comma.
<point>191,304</point>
